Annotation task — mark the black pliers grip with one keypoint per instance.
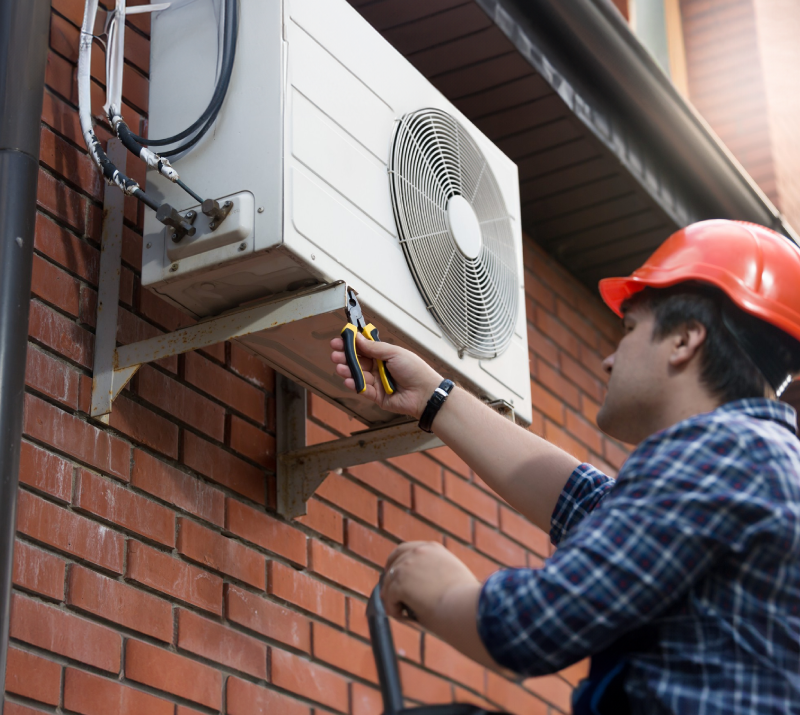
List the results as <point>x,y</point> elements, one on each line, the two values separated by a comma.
<point>368,330</point>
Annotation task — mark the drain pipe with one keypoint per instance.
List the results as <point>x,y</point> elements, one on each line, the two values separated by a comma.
<point>24,27</point>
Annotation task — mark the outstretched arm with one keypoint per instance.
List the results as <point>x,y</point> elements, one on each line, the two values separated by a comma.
<point>525,470</point>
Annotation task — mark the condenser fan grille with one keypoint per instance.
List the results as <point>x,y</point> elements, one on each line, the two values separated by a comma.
<point>455,231</point>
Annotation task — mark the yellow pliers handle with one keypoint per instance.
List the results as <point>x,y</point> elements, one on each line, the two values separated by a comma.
<point>351,356</point>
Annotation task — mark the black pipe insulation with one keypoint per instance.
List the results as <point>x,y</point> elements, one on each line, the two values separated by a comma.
<point>24,37</point>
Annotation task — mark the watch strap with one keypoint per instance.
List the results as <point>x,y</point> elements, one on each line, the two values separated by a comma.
<point>435,404</point>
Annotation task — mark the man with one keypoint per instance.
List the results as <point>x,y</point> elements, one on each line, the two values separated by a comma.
<point>681,578</point>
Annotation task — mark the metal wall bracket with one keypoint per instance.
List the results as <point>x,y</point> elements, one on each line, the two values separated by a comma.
<point>302,469</point>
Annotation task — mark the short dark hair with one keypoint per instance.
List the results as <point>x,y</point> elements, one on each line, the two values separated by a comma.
<point>726,369</point>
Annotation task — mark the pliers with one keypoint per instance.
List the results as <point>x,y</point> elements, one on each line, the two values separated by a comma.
<point>357,323</point>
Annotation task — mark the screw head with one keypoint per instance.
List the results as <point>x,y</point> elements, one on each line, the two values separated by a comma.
<point>190,214</point>
<point>313,257</point>
<point>242,246</point>
<point>261,209</point>
<point>228,203</point>
<point>173,268</point>
<point>149,245</point>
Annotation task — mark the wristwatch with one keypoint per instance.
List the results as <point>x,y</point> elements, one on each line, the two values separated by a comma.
<point>434,404</point>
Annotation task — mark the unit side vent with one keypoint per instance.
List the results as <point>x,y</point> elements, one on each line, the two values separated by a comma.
<point>455,231</point>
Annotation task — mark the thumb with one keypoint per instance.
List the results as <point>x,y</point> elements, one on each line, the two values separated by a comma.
<point>379,350</point>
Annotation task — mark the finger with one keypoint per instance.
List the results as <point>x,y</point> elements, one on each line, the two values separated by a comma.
<point>337,343</point>
<point>373,349</point>
<point>391,594</point>
<point>338,357</point>
<point>344,371</point>
<point>400,551</point>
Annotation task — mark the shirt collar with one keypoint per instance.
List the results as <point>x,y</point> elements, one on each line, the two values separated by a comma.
<point>763,409</point>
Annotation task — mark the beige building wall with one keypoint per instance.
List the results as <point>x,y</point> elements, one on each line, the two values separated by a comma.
<point>778,31</point>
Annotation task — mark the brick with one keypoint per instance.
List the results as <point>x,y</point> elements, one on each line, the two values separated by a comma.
<point>252,442</point>
<point>66,161</point>
<point>220,553</point>
<point>91,695</point>
<point>350,497</point>
<point>589,409</point>
<point>460,695</point>
<point>542,346</point>
<point>368,544</point>
<point>144,426</point>
<point>577,324</point>
<point>407,640</point>
<point>324,520</point>
<point>470,498</point>
<point>32,676</point>
<point>523,532</point>
<point>162,572</point>
<point>365,700</point>
<point>16,709</point>
<point>55,286</point>
<point>303,591</point>
<point>479,565</point>
<point>310,680</point>
<point>557,384</point>
<point>173,673</point>
<point>576,672</point>
<point>122,507</point>
<point>57,198</point>
<point>244,698</point>
<point>163,314</point>
<point>557,436</point>
<point>226,387</point>
<point>45,472</point>
<point>498,547</point>
<point>267,618</point>
<point>57,631</point>
<point>221,644</point>
<point>60,334</point>
<point>539,292</point>
<point>447,661</point>
<point>551,689</point>
<point>384,480</point>
<point>614,453</point>
<point>406,527</point>
<point>71,533</point>
<point>52,377</point>
<point>265,531</point>
<point>450,459</point>
<point>423,686</point>
<point>547,403</point>
<point>511,697</point>
<point>117,602</point>
<point>38,571</point>
<point>132,329</point>
<point>582,378</point>
<point>178,488</point>
<point>584,431</point>
<point>421,468</point>
<point>77,438</point>
<point>332,417</point>
<point>182,403</point>
<point>342,569</point>
<point>252,368</point>
<point>317,435</point>
<point>593,362</point>
<point>444,515</point>
<point>556,331</point>
<point>336,648</point>
<point>61,118</point>
<point>224,468</point>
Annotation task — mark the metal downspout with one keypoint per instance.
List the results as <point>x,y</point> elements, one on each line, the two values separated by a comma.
<point>24,30</point>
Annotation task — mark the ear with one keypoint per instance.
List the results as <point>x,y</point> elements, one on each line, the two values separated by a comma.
<point>686,343</point>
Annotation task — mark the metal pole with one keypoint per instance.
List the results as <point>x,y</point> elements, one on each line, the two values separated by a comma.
<point>23,53</point>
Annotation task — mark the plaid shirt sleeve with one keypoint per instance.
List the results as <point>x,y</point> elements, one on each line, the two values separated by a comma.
<point>677,504</point>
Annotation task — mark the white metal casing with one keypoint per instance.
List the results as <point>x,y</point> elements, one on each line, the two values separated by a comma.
<point>303,139</point>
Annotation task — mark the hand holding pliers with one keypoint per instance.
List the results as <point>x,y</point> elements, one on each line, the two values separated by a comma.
<point>356,323</point>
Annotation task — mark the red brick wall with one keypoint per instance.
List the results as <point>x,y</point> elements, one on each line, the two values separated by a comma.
<point>727,82</point>
<point>151,572</point>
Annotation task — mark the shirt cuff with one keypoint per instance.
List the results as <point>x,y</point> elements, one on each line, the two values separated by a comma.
<point>584,489</point>
<point>498,624</point>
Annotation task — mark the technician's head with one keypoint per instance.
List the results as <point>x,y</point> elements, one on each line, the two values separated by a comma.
<point>713,316</point>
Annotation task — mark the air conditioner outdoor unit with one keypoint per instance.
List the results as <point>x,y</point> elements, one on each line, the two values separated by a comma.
<point>341,163</point>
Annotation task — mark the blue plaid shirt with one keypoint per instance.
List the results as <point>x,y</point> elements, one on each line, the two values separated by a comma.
<point>697,545</point>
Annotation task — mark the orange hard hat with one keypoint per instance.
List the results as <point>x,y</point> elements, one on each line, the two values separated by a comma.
<point>756,267</point>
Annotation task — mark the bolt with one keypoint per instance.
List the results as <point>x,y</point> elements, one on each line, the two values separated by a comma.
<point>242,246</point>
<point>190,215</point>
<point>149,245</point>
<point>261,209</point>
<point>227,204</point>
<point>173,268</point>
<point>313,257</point>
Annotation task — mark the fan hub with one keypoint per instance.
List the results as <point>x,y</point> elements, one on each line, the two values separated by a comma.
<point>464,226</point>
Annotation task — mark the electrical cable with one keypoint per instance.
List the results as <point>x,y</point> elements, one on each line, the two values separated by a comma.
<point>208,117</point>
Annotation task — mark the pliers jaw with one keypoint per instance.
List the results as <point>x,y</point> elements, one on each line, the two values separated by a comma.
<point>353,310</point>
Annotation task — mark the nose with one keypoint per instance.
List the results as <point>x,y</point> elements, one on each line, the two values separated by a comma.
<point>608,363</point>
